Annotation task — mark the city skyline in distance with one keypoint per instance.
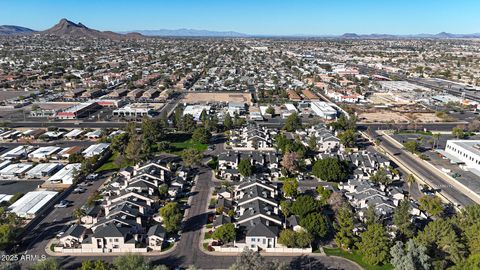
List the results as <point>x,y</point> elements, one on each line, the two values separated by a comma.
<point>269,18</point>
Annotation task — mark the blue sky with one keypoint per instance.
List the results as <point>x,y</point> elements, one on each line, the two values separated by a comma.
<point>317,17</point>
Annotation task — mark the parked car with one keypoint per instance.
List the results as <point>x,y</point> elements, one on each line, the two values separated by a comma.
<point>62,204</point>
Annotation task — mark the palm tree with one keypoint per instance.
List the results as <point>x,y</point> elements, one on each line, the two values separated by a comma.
<point>436,137</point>
<point>410,179</point>
<point>78,213</point>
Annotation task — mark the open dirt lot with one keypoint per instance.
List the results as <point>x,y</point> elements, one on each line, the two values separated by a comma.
<point>397,117</point>
<point>217,97</point>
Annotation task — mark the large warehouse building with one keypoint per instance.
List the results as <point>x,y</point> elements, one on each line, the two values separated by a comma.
<point>466,152</point>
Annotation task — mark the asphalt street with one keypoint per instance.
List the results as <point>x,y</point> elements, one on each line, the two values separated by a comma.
<point>426,173</point>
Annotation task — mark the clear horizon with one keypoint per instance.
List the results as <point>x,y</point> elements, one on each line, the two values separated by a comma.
<point>249,17</point>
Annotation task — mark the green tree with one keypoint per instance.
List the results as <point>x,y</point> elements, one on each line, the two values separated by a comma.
<point>411,146</point>
<point>77,214</point>
<point>370,215</point>
<point>312,142</point>
<point>130,262</point>
<point>191,157</point>
<point>330,169</point>
<point>287,238</point>
<point>47,264</point>
<point>374,244</point>
<point>324,193</point>
<point>188,123</point>
<point>225,233</point>
<point>292,123</point>
<point>316,224</point>
<point>227,122</point>
<point>171,216</point>
<point>245,168</point>
<point>304,205</point>
<point>402,219</point>
<point>94,265</point>
<point>410,256</point>
<point>442,242</point>
<point>381,177</point>
<point>163,190</point>
<point>303,239</point>
<point>290,187</point>
<point>344,226</point>
<point>431,204</point>
<point>270,110</point>
<point>133,150</point>
<point>410,179</point>
<point>201,135</point>
<point>348,138</point>
<point>458,133</point>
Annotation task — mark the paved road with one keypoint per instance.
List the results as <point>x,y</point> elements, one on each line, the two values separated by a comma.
<point>55,219</point>
<point>426,173</point>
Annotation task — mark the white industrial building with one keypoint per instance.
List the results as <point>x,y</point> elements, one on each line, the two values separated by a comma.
<point>66,174</point>
<point>18,152</point>
<point>44,170</point>
<point>31,203</point>
<point>466,153</point>
<point>135,110</point>
<point>324,110</point>
<point>16,170</point>
<point>95,149</point>
<point>401,86</point>
<point>44,152</point>
<point>196,110</point>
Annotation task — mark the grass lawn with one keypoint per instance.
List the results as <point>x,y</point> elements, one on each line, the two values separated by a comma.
<point>208,235</point>
<point>110,165</point>
<point>182,141</point>
<point>205,246</point>
<point>354,256</point>
<point>425,133</point>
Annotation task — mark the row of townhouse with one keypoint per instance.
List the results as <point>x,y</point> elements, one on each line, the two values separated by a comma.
<point>264,163</point>
<point>124,220</point>
<point>257,216</point>
<point>363,194</point>
<point>326,140</point>
<point>251,138</point>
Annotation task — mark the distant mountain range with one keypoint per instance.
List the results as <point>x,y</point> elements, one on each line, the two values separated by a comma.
<point>183,32</point>
<point>442,35</point>
<point>68,28</point>
<point>8,30</point>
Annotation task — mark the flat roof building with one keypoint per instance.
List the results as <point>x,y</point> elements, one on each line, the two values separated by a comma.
<point>44,152</point>
<point>95,149</point>
<point>18,152</point>
<point>44,170</point>
<point>16,170</point>
<point>324,110</point>
<point>66,174</point>
<point>31,203</point>
<point>78,110</point>
<point>467,152</point>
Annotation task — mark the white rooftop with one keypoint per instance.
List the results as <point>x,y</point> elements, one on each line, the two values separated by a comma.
<point>31,203</point>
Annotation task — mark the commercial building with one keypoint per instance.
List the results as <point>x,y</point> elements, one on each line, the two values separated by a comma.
<point>401,86</point>
<point>31,203</point>
<point>196,110</point>
<point>77,111</point>
<point>135,110</point>
<point>324,110</point>
<point>465,153</point>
